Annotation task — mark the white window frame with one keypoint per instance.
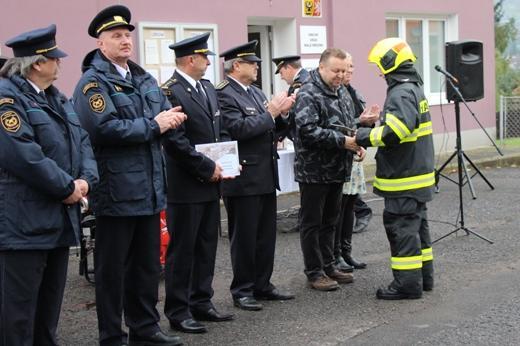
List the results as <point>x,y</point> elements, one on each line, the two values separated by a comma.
<point>451,33</point>
<point>179,32</point>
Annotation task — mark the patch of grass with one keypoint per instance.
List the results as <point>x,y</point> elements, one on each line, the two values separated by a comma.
<point>511,142</point>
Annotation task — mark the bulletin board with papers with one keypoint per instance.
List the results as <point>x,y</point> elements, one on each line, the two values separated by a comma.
<point>157,59</point>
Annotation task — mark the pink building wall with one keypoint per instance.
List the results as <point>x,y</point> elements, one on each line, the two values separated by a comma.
<point>354,25</point>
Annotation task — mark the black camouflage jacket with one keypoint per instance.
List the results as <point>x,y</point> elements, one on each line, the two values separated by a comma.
<point>320,154</point>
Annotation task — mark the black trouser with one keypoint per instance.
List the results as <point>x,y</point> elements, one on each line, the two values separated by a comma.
<point>406,225</point>
<point>127,270</point>
<point>31,291</point>
<point>320,208</point>
<point>252,231</point>
<point>361,209</point>
<point>344,227</point>
<point>190,259</point>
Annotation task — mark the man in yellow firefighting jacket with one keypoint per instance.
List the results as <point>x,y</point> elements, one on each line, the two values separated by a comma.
<point>405,169</point>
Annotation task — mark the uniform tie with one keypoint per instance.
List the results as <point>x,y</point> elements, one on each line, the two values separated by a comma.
<point>201,91</point>
<point>42,95</point>
<point>250,92</point>
<point>202,95</point>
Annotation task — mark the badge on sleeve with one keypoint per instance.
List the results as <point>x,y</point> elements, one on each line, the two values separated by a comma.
<point>6,100</point>
<point>10,121</point>
<point>89,86</point>
<point>97,103</point>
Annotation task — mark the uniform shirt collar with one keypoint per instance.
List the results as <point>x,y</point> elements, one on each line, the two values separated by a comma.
<point>297,74</point>
<point>242,85</point>
<point>190,80</point>
<point>121,70</point>
<point>35,87</point>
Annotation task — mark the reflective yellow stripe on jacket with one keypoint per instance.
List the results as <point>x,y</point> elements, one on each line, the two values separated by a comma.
<point>423,130</point>
<point>427,254</point>
<point>376,135</point>
<point>399,128</point>
<point>406,263</point>
<point>403,184</point>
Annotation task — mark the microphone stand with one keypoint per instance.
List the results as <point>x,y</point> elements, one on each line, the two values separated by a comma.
<point>459,147</point>
<point>462,166</point>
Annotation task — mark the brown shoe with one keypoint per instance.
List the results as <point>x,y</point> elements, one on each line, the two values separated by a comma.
<point>324,283</point>
<point>341,277</point>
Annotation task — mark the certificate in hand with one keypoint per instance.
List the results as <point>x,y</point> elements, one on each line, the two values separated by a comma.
<point>225,153</point>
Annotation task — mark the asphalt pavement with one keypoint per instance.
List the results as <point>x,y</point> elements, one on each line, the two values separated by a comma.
<point>475,300</point>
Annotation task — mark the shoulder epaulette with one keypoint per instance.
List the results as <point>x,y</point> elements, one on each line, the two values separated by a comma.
<point>169,83</point>
<point>222,84</point>
<point>166,86</point>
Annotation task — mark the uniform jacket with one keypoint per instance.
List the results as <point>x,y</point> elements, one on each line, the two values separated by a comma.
<point>188,170</point>
<point>119,117</point>
<point>405,157</point>
<point>249,123</point>
<point>43,149</point>
<point>299,79</point>
<point>320,154</point>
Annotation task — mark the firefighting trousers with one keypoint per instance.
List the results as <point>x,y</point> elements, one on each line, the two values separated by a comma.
<point>408,233</point>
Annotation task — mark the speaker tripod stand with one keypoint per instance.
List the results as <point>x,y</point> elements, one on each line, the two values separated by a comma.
<point>463,175</point>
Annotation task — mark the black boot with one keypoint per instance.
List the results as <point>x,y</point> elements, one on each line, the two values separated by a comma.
<point>354,263</point>
<point>342,266</point>
<point>390,293</point>
<point>346,250</point>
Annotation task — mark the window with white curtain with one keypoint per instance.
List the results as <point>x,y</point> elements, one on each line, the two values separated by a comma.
<point>427,36</point>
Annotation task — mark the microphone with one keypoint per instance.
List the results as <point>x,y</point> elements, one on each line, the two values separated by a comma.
<point>447,74</point>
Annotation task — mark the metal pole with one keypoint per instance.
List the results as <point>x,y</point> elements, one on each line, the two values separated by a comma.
<point>501,120</point>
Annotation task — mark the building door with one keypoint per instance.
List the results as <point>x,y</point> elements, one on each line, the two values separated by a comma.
<point>262,34</point>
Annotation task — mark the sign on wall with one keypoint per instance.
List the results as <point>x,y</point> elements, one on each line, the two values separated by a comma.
<point>313,39</point>
<point>311,8</point>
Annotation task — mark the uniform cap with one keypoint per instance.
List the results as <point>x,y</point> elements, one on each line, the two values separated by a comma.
<point>281,61</point>
<point>110,18</point>
<point>245,51</point>
<point>193,45</point>
<point>36,42</point>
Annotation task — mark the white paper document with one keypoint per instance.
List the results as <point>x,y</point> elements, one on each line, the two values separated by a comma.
<point>225,153</point>
<point>151,52</point>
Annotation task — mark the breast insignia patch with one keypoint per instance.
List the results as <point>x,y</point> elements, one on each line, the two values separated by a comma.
<point>10,121</point>
<point>97,103</point>
<point>89,86</point>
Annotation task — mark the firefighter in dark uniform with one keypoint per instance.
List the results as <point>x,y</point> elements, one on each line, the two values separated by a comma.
<point>405,169</point>
<point>125,113</point>
<point>46,168</point>
<point>250,198</point>
<point>193,212</point>
<point>290,69</point>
